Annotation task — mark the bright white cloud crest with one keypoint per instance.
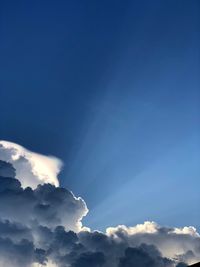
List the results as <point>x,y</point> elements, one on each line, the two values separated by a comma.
<point>31,168</point>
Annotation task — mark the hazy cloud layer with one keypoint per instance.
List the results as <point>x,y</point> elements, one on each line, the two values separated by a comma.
<point>42,227</point>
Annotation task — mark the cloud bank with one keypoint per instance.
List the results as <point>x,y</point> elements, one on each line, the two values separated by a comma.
<point>41,226</point>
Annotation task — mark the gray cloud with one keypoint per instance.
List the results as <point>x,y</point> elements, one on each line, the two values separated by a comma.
<point>144,255</point>
<point>46,205</point>
<point>42,227</point>
<point>95,259</point>
<point>6,169</point>
<point>19,254</point>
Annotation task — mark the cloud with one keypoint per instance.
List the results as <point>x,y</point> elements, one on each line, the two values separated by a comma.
<point>170,241</point>
<point>161,245</point>
<point>145,255</point>
<point>31,168</point>
<point>46,205</point>
<point>6,169</point>
<point>41,226</point>
<point>19,254</point>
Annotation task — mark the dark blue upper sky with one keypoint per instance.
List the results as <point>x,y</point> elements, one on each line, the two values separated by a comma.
<point>112,88</point>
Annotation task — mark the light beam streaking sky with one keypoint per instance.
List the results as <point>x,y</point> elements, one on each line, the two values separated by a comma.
<point>112,90</point>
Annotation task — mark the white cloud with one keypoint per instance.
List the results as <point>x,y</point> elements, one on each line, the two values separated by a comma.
<point>31,168</point>
<point>147,227</point>
<point>172,242</point>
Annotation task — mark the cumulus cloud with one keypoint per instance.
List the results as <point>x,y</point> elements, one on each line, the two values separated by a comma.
<point>46,205</point>
<point>31,168</point>
<point>170,241</point>
<point>41,226</point>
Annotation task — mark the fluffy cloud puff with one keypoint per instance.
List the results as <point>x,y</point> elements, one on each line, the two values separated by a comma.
<point>172,242</point>
<point>42,227</point>
<point>46,205</point>
<point>31,168</point>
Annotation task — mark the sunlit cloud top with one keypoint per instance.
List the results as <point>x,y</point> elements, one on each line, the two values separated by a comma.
<point>31,168</point>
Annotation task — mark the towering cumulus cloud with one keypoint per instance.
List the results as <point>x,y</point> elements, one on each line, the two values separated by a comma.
<point>40,224</point>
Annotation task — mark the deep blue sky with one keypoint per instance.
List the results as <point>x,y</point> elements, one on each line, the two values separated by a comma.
<point>112,88</point>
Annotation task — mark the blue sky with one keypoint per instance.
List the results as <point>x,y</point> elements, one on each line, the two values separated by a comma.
<point>112,89</point>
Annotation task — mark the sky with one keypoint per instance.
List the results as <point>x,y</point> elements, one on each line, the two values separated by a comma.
<point>111,88</point>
